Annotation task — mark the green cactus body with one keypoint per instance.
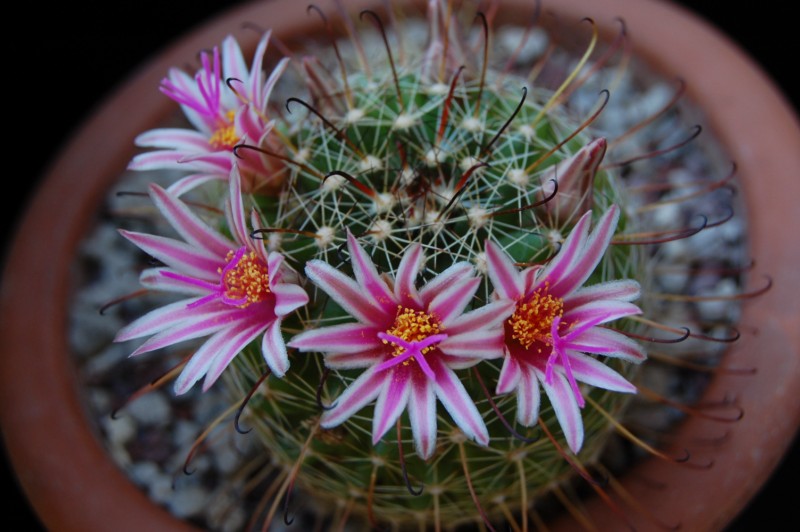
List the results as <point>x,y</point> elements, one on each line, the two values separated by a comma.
<point>400,157</point>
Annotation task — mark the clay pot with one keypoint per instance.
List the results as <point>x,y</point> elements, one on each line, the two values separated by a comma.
<point>53,446</point>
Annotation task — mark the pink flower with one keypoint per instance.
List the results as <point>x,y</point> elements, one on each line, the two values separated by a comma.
<point>227,105</point>
<point>238,290</point>
<point>556,321</point>
<point>410,341</point>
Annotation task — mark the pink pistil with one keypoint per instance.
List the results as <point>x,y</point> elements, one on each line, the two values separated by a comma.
<point>217,290</point>
<point>412,349</point>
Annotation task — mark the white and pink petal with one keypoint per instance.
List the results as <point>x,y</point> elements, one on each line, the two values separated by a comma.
<point>453,274</point>
<point>368,278</point>
<point>594,373</point>
<point>233,63</point>
<point>405,289</point>
<point>596,313</point>
<point>450,303</point>
<point>178,139</point>
<point>223,345</point>
<point>422,415</point>
<point>360,359</point>
<point>510,375</point>
<point>276,73</point>
<point>180,256</point>
<point>590,255</point>
<point>163,318</point>
<point>611,343</point>
<point>391,402</point>
<point>238,338</point>
<point>487,317</point>
<point>503,273</point>
<point>191,182</point>
<point>565,407</point>
<point>193,230</point>
<point>567,256</point>
<point>458,403</point>
<point>347,293</point>
<point>620,290</point>
<point>342,338</point>
<point>361,391</point>
<point>288,298</point>
<point>273,348</point>
<point>477,344</point>
<point>528,396</point>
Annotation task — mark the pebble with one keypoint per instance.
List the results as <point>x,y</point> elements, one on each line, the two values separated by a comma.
<point>151,409</point>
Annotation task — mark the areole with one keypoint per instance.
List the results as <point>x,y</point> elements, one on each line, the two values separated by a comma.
<point>77,486</point>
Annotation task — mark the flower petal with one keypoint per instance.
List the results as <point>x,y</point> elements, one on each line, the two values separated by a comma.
<point>622,290</point>
<point>528,396</point>
<point>239,337</point>
<point>613,344</point>
<point>180,139</point>
<point>236,218</point>
<point>277,71</point>
<point>360,392</point>
<point>503,273</point>
<point>478,344</point>
<point>188,329</point>
<point>510,375</point>
<point>233,63</point>
<point>367,276</point>
<point>405,289</point>
<point>274,349</point>
<point>288,298</point>
<point>164,279</point>
<point>562,262</point>
<point>450,303</point>
<point>458,403</point>
<point>360,359</point>
<point>181,160</point>
<point>422,415</point>
<point>163,318</point>
<point>565,407</point>
<point>591,254</point>
<point>178,255</point>
<point>189,225</point>
<point>455,273</point>
<point>346,292</point>
<point>190,182</point>
<point>595,313</point>
<point>343,338</point>
<point>486,317</point>
<point>392,400</point>
<point>593,372</point>
<point>217,351</point>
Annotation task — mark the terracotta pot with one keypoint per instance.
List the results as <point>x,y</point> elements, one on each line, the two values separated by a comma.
<point>58,457</point>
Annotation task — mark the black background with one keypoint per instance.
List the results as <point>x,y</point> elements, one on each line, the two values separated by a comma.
<point>60,70</point>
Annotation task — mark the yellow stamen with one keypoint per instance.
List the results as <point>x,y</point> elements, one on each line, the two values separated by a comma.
<point>225,135</point>
<point>247,280</point>
<point>533,318</point>
<point>412,326</point>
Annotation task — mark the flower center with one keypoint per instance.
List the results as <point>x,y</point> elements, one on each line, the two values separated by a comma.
<point>412,326</point>
<point>225,135</point>
<point>532,320</point>
<point>413,334</point>
<point>245,279</point>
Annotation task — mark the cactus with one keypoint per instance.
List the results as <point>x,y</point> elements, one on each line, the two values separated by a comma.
<point>400,269</point>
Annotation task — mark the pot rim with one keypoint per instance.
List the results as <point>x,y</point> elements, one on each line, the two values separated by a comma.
<point>32,429</point>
